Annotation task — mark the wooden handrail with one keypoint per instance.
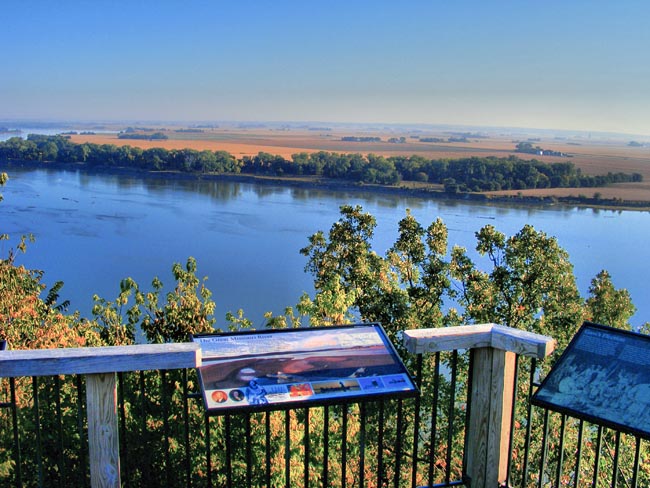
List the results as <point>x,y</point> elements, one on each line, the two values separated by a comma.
<point>423,341</point>
<point>89,360</point>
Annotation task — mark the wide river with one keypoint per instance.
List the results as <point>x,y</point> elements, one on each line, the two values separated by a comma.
<point>94,230</point>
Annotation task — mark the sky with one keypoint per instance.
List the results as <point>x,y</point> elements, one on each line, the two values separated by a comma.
<point>557,64</point>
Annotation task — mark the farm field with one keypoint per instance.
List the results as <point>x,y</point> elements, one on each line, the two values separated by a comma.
<point>597,156</point>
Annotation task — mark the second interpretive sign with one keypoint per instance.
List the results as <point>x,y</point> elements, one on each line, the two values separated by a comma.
<point>277,368</point>
<point>603,376</point>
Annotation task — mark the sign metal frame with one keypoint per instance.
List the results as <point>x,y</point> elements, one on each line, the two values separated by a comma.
<point>602,377</point>
<point>278,369</point>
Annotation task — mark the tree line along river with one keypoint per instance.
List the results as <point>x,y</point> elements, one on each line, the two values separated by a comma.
<point>93,230</point>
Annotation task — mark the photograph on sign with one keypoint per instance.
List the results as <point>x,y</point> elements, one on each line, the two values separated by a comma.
<point>603,376</point>
<point>317,365</point>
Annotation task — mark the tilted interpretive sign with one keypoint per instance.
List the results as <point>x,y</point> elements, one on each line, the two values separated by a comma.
<point>603,376</point>
<point>277,368</point>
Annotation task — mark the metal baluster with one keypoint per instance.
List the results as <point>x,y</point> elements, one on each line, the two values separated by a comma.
<point>287,448</point>
<point>249,450</point>
<point>14,418</point>
<point>468,411</point>
<point>208,450</point>
<point>434,417</point>
<point>306,446</point>
<point>380,446</point>
<point>344,447</point>
<point>398,447</point>
<point>37,422</point>
<point>123,441</point>
<point>560,457</point>
<point>542,463</point>
<point>416,426</point>
<point>186,424</point>
<point>144,431</point>
<point>597,457</point>
<point>164,393</point>
<point>82,434</point>
<point>450,428</point>
<point>576,479</point>
<point>326,449</point>
<point>529,415</point>
<point>228,433</point>
<point>616,456</point>
<point>59,417</point>
<point>637,458</point>
<point>362,445</point>
<point>267,439</point>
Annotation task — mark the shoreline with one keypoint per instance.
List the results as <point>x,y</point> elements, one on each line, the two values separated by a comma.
<point>308,182</point>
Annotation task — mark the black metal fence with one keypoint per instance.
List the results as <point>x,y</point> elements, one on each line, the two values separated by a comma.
<point>167,440</point>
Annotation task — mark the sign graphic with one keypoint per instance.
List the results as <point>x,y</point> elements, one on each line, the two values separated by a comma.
<point>603,376</point>
<point>274,368</point>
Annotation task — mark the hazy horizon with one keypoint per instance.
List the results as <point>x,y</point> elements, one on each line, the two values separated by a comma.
<point>576,66</point>
<point>53,126</point>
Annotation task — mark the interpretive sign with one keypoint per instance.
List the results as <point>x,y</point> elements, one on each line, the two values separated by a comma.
<point>276,368</point>
<point>603,376</point>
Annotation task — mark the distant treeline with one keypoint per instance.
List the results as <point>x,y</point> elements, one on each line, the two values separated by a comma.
<point>527,147</point>
<point>439,139</point>
<point>458,175</point>
<point>156,136</point>
<point>360,139</point>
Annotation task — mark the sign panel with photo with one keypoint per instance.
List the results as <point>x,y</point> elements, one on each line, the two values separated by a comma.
<point>276,368</point>
<point>603,376</point>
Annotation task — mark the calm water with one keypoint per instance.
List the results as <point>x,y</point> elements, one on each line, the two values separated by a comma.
<point>93,231</point>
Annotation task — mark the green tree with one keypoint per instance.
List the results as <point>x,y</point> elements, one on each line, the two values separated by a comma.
<point>530,285</point>
<point>226,163</point>
<point>608,306</point>
<point>189,308</point>
<point>345,267</point>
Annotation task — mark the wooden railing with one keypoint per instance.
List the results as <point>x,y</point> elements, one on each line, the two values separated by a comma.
<point>492,349</point>
<point>100,364</point>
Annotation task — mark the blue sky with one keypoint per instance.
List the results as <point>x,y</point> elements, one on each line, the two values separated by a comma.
<point>580,65</point>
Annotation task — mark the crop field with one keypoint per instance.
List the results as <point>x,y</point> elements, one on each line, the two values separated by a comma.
<point>593,157</point>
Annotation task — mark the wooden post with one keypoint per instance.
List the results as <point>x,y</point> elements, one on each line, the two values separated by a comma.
<point>103,439</point>
<point>493,349</point>
<point>488,433</point>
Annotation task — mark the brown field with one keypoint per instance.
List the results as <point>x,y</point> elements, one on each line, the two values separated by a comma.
<point>592,157</point>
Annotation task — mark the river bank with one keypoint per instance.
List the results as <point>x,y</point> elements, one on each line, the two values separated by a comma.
<point>435,192</point>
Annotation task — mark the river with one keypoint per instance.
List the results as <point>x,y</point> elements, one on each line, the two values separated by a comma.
<point>94,230</point>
